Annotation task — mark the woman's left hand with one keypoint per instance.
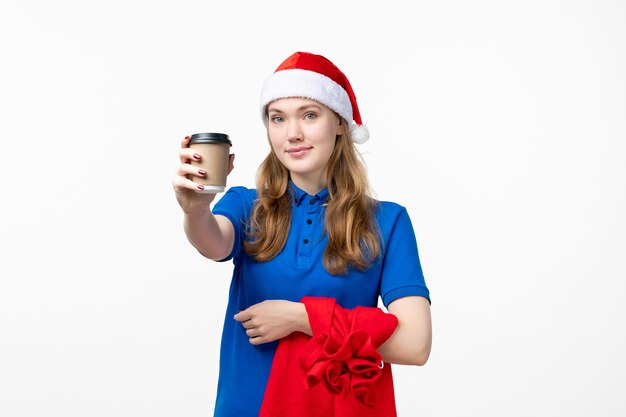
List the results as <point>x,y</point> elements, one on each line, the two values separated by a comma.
<point>273,319</point>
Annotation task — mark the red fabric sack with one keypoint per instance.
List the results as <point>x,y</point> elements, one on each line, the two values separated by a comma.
<point>337,372</point>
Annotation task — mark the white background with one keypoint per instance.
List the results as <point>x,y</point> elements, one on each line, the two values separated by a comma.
<point>499,125</point>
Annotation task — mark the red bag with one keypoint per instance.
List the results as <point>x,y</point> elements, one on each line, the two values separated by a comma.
<point>337,372</point>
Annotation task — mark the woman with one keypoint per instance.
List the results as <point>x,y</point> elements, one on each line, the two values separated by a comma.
<point>309,229</point>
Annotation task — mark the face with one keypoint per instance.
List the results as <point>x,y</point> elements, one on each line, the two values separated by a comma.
<point>302,134</point>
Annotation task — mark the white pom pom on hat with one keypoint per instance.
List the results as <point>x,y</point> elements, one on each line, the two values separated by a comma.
<point>313,76</point>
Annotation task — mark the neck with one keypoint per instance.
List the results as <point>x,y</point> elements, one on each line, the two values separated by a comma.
<point>309,185</point>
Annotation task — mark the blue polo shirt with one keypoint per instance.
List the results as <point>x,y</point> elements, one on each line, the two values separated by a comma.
<point>296,272</point>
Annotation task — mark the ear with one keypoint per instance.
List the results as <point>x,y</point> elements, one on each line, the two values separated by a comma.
<point>341,126</point>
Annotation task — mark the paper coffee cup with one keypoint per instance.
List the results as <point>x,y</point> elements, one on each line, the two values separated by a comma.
<point>215,149</point>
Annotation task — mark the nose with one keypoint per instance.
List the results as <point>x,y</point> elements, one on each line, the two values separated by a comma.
<point>294,131</point>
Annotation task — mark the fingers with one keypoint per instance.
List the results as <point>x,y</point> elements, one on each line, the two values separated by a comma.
<point>253,332</point>
<point>188,169</point>
<point>188,154</point>
<point>184,173</point>
<point>243,315</point>
<point>249,324</point>
<point>256,335</point>
<point>257,340</point>
<point>180,183</point>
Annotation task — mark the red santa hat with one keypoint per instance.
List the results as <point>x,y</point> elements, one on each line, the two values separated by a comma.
<point>312,76</point>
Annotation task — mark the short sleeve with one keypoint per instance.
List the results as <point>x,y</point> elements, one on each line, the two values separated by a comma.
<point>236,205</point>
<point>401,270</point>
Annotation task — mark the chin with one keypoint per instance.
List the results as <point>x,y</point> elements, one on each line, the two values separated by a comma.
<point>299,168</point>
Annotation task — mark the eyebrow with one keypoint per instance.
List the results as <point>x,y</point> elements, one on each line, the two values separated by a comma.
<point>301,108</point>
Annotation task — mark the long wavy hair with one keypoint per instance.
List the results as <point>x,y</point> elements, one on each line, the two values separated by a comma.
<point>349,222</point>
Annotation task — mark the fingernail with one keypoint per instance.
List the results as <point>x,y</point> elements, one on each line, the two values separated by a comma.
<point>201,187</point>
<point>196,156</point>
<point>187,137</point>
<point>202,172</point>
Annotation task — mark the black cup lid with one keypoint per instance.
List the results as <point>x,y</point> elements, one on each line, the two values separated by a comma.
<point>210,138</point>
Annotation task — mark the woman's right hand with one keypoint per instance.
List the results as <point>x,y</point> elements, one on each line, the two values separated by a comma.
<point>188,198</point>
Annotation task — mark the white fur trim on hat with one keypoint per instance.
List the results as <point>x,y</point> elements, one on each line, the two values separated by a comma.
<point>307,84</point>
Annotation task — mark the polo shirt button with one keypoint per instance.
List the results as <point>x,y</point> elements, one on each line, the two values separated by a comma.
<point>312,201</point>
<point>306,241</point>
<point>309,221</point>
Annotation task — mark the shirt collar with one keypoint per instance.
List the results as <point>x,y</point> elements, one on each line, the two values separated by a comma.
<point>299,195</point>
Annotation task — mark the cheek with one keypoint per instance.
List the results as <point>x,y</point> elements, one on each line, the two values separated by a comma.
<point>324,133</point>
<point>277,151</point>
<point>330,137</point>
<point>274,140</point>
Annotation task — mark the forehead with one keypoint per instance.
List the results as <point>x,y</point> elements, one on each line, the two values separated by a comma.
<point>293,103</point>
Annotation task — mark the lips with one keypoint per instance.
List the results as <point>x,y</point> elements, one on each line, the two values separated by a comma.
<point>298,151</point>
<point>293,150</point>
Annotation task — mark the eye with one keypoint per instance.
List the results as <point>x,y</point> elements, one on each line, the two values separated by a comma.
<point>310,116</point>
<point>276,119</point>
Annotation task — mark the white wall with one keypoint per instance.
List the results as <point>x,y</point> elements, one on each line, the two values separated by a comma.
<point>499,125</point>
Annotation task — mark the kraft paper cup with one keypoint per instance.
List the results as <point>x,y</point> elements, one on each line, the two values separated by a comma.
<point>215,149</point>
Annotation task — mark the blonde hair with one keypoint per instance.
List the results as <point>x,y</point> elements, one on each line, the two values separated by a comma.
<point>349,222</point>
